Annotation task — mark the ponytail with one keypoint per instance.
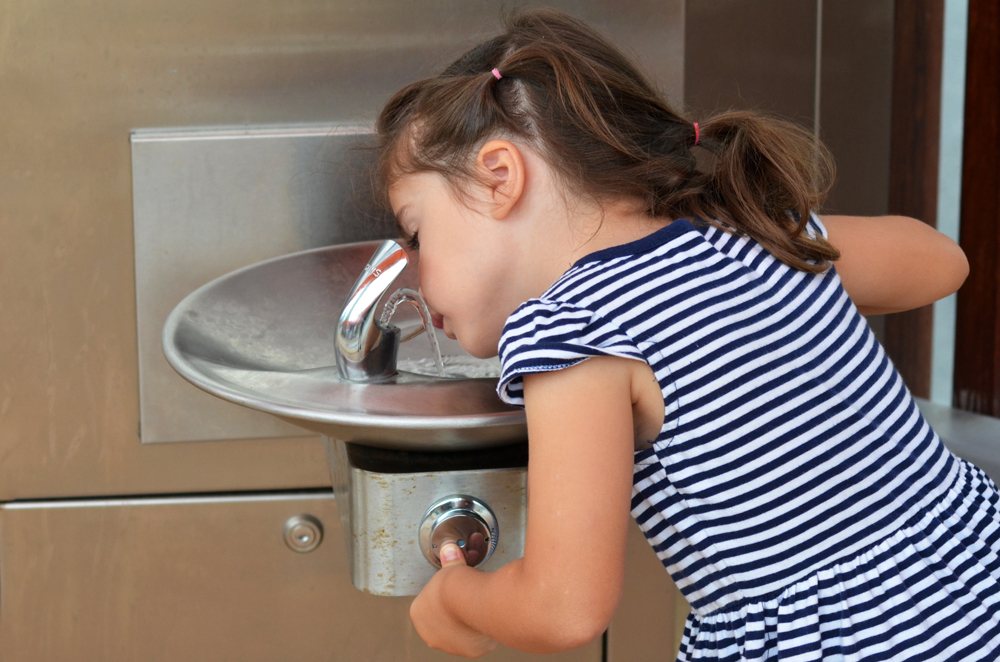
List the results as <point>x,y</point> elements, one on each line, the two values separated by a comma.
<point>767,176</point>
<point>576,99</point>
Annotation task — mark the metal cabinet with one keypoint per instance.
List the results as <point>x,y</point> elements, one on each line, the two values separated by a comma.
<point>212,578</point>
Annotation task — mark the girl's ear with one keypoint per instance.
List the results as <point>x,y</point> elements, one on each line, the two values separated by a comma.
<point>502,166</point>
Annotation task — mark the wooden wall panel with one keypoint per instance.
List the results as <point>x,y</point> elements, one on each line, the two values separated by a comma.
<point>855,117</point>
<point>916,113</point>
<point>977,352</point>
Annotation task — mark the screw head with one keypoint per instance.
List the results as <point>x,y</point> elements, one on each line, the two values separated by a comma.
<point>303,533</point>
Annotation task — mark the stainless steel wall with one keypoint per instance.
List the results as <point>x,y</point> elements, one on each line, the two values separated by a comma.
<point>209,579</point>
<point>204,577</point>
<point>74,80</point>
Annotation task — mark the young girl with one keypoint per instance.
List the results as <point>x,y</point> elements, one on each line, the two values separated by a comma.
<point>687,339</point>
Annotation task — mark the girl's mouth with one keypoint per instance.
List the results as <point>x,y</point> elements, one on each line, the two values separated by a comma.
<point>437,320</point>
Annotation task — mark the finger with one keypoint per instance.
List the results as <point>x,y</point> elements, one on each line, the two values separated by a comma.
<point>451,555</point>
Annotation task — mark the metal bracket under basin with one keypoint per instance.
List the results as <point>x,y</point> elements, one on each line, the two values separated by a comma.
<point>383,495</point>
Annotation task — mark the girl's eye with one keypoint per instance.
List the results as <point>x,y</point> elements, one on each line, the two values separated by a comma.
<point>412,243</point>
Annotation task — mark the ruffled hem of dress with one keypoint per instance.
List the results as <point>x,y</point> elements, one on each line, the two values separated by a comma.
<point>930,591</point>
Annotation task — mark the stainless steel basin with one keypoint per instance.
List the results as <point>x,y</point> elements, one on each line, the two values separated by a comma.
<point>263,337</point>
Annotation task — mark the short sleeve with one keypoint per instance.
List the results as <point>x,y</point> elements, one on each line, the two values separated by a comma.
<point>541,336</point>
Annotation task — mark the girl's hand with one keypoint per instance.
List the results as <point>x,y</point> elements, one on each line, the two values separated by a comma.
<point>561,594</point>
<point>435,624</point>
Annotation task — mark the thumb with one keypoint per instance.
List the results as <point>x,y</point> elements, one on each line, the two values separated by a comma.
<point>451,555</point>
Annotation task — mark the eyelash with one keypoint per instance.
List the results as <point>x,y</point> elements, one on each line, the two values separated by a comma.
<point>412,243</point>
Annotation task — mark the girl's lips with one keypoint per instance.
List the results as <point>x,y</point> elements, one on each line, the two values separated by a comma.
<point>437,320</point>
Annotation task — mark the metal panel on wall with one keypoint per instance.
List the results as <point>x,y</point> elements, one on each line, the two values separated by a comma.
<point>856,102</point>
<point>209,202</point>
<point>195,579</point>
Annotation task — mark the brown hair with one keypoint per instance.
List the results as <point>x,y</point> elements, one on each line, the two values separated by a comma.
<point>573,96</point>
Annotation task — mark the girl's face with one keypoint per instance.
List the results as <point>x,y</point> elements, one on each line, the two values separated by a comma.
<point>462,275</point>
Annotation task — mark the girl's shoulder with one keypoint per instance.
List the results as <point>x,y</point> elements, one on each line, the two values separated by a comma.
<point>683,240</point>
<point>544,334</point>
<point>630,299</point>
<point>650,243</point>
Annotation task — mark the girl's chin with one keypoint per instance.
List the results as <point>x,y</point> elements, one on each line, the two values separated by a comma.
<point>478,352</point>
<point>481,351</point>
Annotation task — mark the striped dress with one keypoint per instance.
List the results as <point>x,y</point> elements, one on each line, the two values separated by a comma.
<point>795,494</point>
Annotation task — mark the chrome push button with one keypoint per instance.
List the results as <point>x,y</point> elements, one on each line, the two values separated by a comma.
<point>463,520</point>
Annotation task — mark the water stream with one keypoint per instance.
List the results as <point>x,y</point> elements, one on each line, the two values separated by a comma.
<point>412,296</point>
<point>454,367</point>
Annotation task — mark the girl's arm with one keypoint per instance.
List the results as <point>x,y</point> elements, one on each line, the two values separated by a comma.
<point>565,590</point>
<point>893,263</point>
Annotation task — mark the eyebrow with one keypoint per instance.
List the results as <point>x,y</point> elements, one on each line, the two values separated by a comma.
<point>399,221</point>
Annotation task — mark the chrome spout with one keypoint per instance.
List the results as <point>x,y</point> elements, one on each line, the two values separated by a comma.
<point>366,349</point>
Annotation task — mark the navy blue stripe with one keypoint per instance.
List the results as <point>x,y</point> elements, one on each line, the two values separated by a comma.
<point>646,244</point>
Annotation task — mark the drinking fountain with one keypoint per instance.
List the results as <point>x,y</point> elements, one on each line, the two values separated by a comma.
<point>366,349</point>
<point>416,459</point>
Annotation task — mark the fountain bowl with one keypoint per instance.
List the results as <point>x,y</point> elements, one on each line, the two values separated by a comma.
<point>263,337</point>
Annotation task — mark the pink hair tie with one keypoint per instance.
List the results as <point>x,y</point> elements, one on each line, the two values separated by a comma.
<point>697,133</point>
<point>496,73</point>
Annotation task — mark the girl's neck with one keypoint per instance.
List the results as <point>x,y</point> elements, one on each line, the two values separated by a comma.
<point>557,228</point>
<point>614,225</point>
<point>583,230</point>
